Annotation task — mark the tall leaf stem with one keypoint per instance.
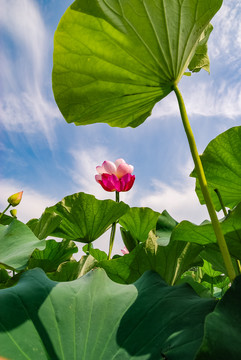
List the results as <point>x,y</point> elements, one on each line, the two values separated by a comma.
<point>113,228</point>
<point>204,187</point>
<point>226,214</point>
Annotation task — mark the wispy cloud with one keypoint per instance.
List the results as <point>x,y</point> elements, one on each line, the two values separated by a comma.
<point>225,41</point>
<point>217,98</point>
<point>181,201</point>
<point>25,55</point>
<point>217,95</point>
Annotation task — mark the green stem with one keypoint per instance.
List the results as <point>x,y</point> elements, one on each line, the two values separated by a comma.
<point>5,210</point>
<point>204,187</point>
<point>226,214</point>
<point>221,202</point>
<point>88,248</point>
<point>113,228</point>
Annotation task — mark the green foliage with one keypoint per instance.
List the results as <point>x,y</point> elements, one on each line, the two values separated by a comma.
<point>96,253</point>
<point>223,328</point>
<point>200,59</point>
<point>17,242</point>
<point>6,219</point>
<point>128,240</point>
<point>139,222</point>
<point>212,254</point>
<point>222,165</point>
<point>67,320</point>
<point>113,61</point>
<point>4,277</point>
<point>84,218</point>
<point>170,261</point>
<point>164,227</point>
<point>199,288</point>
<point>44,226</point>
<point>203,234</point>
<point>53,255</point>
<point>72,270</point>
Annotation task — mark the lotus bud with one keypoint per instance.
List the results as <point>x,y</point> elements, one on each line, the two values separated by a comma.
<point>15,199</point>
<point>13,212</point>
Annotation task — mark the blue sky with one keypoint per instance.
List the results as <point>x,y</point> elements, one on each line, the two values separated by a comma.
<point>48,159</point>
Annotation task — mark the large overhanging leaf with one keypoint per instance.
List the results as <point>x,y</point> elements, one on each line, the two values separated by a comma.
<point>113,60</point>
<point>94,318</point>
<point>222,165</point>
<point>17,242</point>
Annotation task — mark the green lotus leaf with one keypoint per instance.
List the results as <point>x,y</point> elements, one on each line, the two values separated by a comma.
<point>44,226</point>
<point>53,255</point>
<point>72,270</point>
<point>17,242</point>
<point>223,328</point>
<point>222,165</point>
<point>139,221</point>
<point>203,234</point>
<point>170,261</point>
<point>94,318</point>
<point>84,218</point>
<point>114,60</point>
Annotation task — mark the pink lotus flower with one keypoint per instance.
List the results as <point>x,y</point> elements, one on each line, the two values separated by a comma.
<point>115,176</point>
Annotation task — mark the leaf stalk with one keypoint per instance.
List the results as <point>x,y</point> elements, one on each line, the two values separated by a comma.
<point>204,187</point>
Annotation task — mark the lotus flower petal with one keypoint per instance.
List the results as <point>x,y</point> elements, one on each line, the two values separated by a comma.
<point>124,169</point>
<point>109,167</point>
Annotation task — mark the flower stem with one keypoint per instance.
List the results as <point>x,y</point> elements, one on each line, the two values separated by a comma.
<point>113,228</point>
<point>5,210</point>
<point>204,187</point>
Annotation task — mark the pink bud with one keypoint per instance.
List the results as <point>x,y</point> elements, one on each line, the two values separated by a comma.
<point>15,199</point>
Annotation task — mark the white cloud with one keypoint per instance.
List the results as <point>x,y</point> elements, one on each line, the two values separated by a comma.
<point>225,40</point>
<point>24,60</point>
<point>32,204</point>
<point>181,201</point>
<point>217,95</point>
<point>221,99</point>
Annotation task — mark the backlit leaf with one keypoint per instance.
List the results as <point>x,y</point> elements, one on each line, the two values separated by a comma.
<point>114,60</point>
